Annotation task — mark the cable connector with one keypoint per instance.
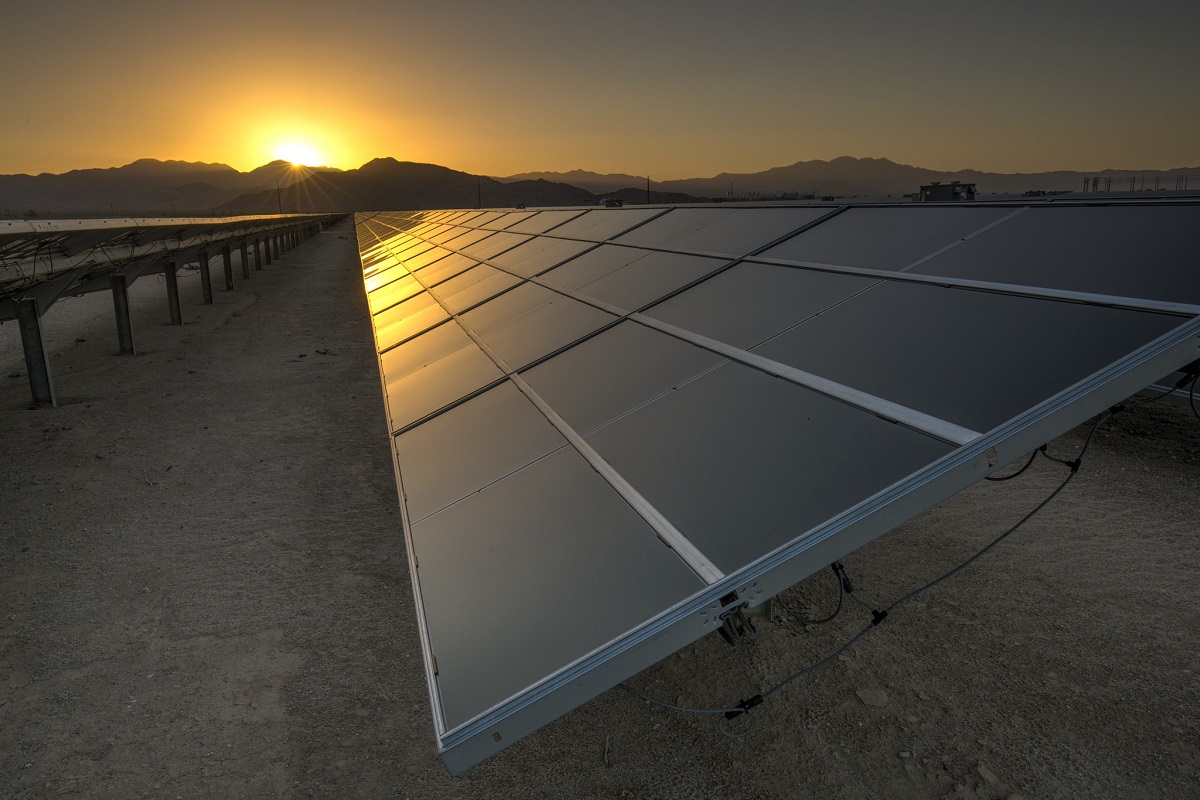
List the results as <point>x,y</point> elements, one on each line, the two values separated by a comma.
<point>878,617</point>
<point>1075,465</point>
<point>840,571</point>
<point>744,706</point>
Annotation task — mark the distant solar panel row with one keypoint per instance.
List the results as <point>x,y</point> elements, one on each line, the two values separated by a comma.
<point>611,425</point>
<point>49,259</point>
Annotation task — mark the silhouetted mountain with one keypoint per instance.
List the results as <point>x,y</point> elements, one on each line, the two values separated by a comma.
<point>386,184</point>
<point>592,181</point>
<point>153,187</point>
<point>863,177</point>
<point>146,186</point>
<point>638,196</point>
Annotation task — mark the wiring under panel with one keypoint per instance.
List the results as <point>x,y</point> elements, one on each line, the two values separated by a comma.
<point>878,614</point>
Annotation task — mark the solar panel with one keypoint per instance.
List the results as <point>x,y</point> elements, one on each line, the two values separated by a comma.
<point>42,261</point>
<point>611,427</point>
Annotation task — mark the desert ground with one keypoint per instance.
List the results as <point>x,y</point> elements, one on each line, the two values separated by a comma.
<point>203,593</point>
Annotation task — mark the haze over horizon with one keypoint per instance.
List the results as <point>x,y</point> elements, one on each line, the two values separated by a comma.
<point>675,89</point>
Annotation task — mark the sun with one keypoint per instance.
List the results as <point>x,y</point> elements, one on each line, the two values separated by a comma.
<point>299,154</point>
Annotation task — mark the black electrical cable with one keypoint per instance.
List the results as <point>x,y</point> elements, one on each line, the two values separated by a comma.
<point>1192,396</point>
<point>1024,467</point>
<point>839,575</point>
<point>673,707</point>
<point>878,616</point>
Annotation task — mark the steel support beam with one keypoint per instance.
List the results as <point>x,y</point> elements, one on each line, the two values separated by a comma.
<point>172,281</point>
<point>258,254</point>
<point>120,293</point>
<point>267,249</point>
<point>205,278</point>
<point>227,263</point>
<point>37,363</point>
<point>245,259</point>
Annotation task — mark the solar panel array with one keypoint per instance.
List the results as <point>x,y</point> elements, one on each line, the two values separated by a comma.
<point>612,426</point>
<point>49,259</point>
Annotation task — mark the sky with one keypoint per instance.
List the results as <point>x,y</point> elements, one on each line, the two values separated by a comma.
<point>666,88</point>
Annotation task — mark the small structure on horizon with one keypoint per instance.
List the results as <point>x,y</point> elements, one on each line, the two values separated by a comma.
<point>940,192</point>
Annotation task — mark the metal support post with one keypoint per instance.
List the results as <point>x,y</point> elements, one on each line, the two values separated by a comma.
<point>258,255</point>
<point>245,253</point>
<point>267,249</point>
<point>37,363</point>
<point>120,292</point>
<point>172,281</point>
<point>205,278</point>
<point>227,263</point>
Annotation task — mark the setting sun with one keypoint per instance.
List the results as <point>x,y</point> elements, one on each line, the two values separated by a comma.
<point>299,153</point>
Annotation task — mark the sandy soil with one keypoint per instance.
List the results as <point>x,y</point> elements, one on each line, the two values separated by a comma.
<point>204,594</point>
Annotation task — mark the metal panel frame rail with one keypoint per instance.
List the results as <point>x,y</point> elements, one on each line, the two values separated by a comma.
<point>432,279</point>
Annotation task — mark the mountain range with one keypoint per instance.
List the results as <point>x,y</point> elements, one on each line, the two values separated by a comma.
<point>145,186</point>
<point>861,177</point>
<point>151,187</point>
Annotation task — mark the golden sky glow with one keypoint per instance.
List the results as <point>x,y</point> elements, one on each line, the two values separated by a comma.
<point>673,88</point>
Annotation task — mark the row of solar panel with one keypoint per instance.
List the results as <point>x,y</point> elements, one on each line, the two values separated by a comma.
<point>629,348</point>
<point>526,323</point>
<point>1063,247</point>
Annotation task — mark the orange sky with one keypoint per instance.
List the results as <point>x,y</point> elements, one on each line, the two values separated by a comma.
<point>673,88</point>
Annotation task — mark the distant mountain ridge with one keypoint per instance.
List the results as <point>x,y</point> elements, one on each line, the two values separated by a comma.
<point>152,187</point>
<point>143,186</point>
<point>847,176</point>
<point>386,184</point>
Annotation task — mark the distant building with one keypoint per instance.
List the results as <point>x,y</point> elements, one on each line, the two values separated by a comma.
<point>943,192</point>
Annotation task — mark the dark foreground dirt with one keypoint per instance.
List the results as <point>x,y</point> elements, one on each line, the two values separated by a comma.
<point>203,593</point>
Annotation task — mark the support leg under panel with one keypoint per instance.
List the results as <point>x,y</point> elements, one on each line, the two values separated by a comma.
<point>205,279</point>
<point>227,263</point>
<point>120,293</point>
<point>172,281</point>
<point>245,252</point>
<point>37,363</point>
